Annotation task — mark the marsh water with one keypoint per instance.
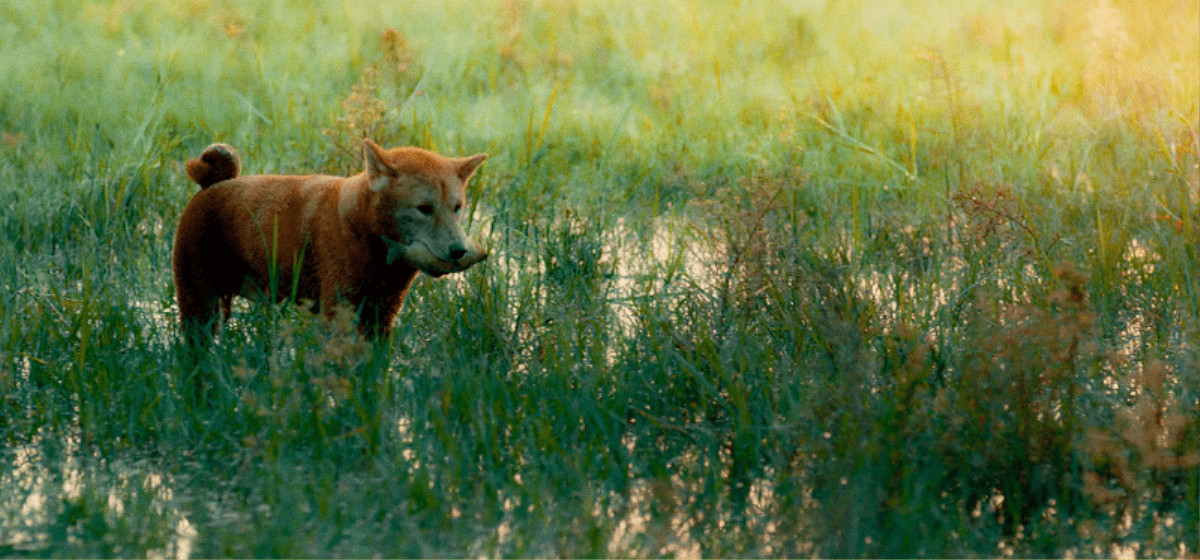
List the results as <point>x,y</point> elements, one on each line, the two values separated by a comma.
<point>60,493</point>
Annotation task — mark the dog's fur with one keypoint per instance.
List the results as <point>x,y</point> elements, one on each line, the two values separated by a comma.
<point>358,241</point>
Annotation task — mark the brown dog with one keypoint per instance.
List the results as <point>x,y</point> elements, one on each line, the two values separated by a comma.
<point>358,241</point>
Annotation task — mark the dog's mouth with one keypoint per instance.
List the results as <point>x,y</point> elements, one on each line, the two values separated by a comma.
<point>440,267</point>
<point>421,256</point>
<point>395,249</point>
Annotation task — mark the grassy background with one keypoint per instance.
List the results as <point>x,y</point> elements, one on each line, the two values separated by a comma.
<point>769,279</point>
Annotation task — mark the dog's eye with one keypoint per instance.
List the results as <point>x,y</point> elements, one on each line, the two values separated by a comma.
<point>426,209</point>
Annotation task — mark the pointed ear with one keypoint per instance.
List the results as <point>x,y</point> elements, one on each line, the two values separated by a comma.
<point>466,166</point>
<point>375,162</point>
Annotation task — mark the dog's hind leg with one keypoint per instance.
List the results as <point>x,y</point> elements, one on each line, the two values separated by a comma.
<point>200,317</point>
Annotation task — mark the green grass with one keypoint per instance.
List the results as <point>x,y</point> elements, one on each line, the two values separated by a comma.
<point>768,279</point>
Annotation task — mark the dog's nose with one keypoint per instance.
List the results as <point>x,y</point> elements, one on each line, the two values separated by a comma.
<point>457,251</point>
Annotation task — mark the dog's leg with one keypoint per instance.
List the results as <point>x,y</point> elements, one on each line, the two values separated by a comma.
<point>376,315</point>
<point>374,323</point>
<point>200,317</point>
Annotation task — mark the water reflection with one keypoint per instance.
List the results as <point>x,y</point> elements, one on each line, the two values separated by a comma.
<point>54,496</point>
<point>52,490</point>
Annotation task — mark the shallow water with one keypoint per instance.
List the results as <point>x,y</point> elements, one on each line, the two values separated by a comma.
<point>56,497</point>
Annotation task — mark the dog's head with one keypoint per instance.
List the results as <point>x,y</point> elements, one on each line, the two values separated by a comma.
<point>417,199</point>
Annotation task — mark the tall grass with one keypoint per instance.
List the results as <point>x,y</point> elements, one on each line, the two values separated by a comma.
<point>767,279</point>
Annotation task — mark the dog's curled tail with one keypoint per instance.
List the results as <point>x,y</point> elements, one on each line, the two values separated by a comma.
<point>217,163</point>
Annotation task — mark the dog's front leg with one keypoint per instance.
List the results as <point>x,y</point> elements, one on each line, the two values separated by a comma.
<point>375,316</point>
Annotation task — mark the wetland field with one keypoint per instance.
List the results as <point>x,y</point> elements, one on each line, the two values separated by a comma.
<point>767,279</point>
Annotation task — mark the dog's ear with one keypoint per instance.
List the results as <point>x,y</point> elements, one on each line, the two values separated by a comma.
<point>466,166</point>
<point>375,160</point>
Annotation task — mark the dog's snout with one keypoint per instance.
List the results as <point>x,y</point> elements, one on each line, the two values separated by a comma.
<point>457,251</point>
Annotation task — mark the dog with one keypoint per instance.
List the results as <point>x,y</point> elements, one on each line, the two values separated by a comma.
<point>356,241</point>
